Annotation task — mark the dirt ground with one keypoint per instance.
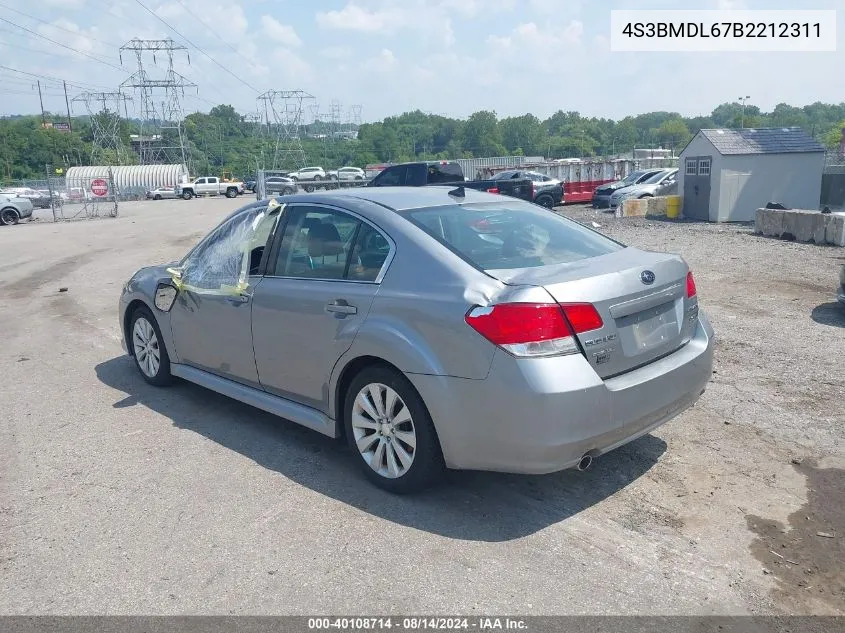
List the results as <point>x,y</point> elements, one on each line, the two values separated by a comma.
<point>119,498</point>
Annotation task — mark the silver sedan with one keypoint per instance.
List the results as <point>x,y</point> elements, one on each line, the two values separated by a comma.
<point>431,328</point>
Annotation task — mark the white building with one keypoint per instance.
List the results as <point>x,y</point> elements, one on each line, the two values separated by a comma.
<point>726,175</point>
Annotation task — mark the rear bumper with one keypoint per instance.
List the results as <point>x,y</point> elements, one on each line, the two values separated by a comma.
<point>542,415</point>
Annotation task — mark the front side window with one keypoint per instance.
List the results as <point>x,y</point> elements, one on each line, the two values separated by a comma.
<point>511,234</point>
<point>331,245</point>
<point>232,252</point>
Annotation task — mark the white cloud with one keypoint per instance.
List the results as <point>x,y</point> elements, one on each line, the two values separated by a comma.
<point>430,19</point>
<point>546,47</point>
<point>355,18</point>
<point>282,33</point>
<point>385,61</point>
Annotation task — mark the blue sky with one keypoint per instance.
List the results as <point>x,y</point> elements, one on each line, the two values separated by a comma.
<point>443,56</point>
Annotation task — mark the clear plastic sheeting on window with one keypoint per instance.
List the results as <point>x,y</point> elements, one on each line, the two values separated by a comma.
<point>224,262</point>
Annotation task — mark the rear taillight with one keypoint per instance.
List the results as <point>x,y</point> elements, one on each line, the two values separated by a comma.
<point>493,190</point>
<point>691,291</point>
<point>583,317</point>
<point>533,329</point>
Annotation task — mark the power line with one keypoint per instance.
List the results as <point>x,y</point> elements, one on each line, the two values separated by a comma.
<point>49,78</point>
<point>70,48</point>
<point>167,24</point>
<point>208,26</point>
<point>55,26</point>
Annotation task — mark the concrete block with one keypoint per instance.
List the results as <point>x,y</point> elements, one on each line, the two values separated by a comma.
<point>835,229</point>
<point>632,209</point>
<point>656,206</point>
<point>769,222</point>
<point>801,225</point>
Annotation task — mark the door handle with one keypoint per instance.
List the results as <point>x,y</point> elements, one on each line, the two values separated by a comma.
<point>340,306</point>
<point>239,298</point>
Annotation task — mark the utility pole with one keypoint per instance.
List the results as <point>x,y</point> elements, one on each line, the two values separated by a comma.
<point>67,103</point>
<point>742,119</point>
<point>41,100</point>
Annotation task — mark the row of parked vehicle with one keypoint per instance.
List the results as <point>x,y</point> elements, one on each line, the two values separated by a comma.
<point>644,183</point>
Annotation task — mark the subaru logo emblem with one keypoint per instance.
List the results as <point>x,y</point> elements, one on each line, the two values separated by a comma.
<point>647,277</point>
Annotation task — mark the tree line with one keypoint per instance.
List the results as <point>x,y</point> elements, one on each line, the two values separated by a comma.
<point>222,140</point>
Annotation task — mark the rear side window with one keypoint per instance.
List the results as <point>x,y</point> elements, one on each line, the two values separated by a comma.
<point>450,172</point>
<point>510,234</point>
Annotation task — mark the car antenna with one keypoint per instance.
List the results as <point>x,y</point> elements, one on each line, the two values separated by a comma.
<point>458,192</point>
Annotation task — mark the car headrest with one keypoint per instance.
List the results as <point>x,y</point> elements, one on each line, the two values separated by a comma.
<point>323,239</point>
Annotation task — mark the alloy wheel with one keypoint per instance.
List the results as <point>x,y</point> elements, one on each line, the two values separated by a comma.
<point>146,347</point>
<point>384,430</point>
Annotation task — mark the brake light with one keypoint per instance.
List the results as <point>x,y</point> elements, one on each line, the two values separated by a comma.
<point>691,291</point>
<point>524,329</point>
<point>583,317</point>
<point>493,190</point>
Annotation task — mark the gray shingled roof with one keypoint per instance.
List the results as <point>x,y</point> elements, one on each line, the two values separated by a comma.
<point>767,140</point>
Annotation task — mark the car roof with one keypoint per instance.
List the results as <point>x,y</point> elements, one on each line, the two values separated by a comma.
<point>396,198</point>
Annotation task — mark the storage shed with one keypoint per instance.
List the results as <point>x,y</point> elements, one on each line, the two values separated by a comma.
<point>726,175</point>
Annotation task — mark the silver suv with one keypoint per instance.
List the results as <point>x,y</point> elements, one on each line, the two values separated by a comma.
<point>308,173</point>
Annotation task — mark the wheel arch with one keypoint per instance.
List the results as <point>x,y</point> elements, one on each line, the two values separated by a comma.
<point>348,373</point>
<point>127,321</point>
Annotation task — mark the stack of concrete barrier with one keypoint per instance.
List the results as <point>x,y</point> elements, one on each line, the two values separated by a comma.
<point>660,207</point>
<point>801,225</point>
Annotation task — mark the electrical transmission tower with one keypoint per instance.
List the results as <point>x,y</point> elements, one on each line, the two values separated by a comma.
<point>354,120</point>
<point>255,125</point>
<point>103,110</point>
<point>284,109</point>
<point>162,137</point>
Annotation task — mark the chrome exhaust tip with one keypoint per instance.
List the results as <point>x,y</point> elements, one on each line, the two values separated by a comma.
<point>585,463</point>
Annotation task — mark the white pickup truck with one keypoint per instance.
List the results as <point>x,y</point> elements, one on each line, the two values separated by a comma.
<point>209,186</point>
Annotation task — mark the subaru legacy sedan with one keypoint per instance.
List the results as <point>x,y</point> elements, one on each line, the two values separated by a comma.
<point>433,328</point>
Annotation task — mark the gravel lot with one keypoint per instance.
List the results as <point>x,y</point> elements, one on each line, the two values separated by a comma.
<point>119,498</point>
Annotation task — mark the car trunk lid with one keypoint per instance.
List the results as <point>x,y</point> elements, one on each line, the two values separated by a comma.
<point>641,297</point>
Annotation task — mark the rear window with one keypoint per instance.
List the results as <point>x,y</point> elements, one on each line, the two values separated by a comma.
<point>511,234</point>
<point>450,172</point>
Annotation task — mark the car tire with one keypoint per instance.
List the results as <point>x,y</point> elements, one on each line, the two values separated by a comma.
<point>317,177</point>
<point>403,440</point>
<point>358,178</point>
<point>147,346</point>
<point>157,197</point>
<point>288,191</point>
<point>308,188</point>
<point>545,201</point>
<point>187,195</point>
<point>231,193</point>
<point>9,216</point>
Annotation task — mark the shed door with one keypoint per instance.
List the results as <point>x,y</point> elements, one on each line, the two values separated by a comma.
<point>697,187</point>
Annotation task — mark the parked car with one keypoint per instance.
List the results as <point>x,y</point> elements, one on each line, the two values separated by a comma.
<point>531,344</point>
<point>38,200</point>
<point>601,196</point>
<point>663,183</point>
<point>280,185</point>
<point>249,185</point>
<point>13,209</point>
<point>444,172</point>
<point>347,173</point>
<point>308,173</point>
<point>840,296</point>
<point>162,193</point>
<point>548,191</point>
<point>209,186</point>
